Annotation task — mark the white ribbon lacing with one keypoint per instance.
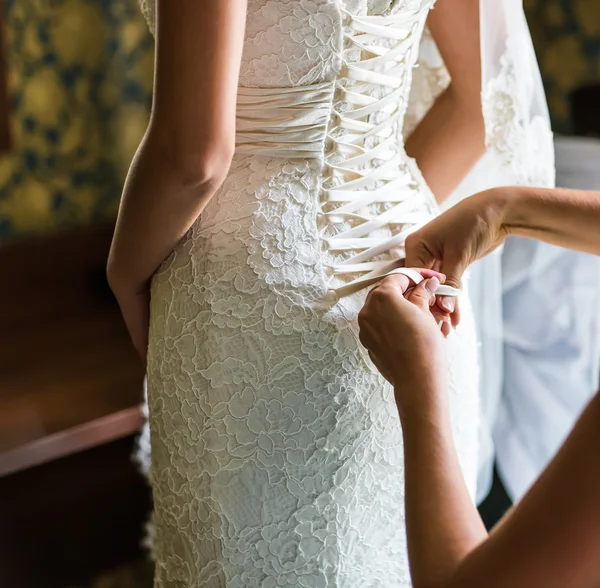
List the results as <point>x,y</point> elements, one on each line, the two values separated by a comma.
<point>373,153</point>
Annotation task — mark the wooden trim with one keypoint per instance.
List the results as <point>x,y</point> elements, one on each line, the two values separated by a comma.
<point>72,519</point>
<point>92,434</point>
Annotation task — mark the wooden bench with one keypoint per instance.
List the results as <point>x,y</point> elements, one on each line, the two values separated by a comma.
<point>71,501</point>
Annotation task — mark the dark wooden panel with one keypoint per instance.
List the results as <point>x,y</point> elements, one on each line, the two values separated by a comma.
<point>48,276</point>
<point>91,434</point>
<point>66,521</point>
<point>66,363</point>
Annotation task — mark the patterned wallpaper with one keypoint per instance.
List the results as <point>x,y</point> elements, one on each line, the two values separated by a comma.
<point>80,76</point>
<point>80,80</point>
<point>566,34</point>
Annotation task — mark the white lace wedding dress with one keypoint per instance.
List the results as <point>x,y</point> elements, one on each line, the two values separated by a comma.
<point>276,446</point>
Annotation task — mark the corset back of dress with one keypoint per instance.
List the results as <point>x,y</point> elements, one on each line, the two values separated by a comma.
<point>342,102</point>
<point>324,85</point>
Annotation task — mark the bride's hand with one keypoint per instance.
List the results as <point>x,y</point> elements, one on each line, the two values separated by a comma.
<point>135,308</point>
<point>403,337</point>
<point>463,234</point>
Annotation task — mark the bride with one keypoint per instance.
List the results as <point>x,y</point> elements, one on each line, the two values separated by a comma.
<point>272,187</point>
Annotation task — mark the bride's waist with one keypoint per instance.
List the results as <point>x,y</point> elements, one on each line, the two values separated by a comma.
<point>304,122</point>
<point>284,122</point>
<point>290,199</point>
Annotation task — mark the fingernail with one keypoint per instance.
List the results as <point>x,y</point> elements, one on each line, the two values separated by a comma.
<point>432,285</point>
<point>447,303</point>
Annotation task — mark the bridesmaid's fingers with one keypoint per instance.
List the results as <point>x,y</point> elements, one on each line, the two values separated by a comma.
<point>447,303</point>
<point>450,306</point>
<point>422,294</point>
<point>455,316</point>
<point>445,328</point>
<point>431,273</point>
<point>439,314</point>
<point>399,281</point>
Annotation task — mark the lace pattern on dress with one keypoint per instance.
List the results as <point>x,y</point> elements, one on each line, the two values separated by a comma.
<point>430,78</point>
<point>277,450</point>
<point>288,42</point>
<point>523,143</point>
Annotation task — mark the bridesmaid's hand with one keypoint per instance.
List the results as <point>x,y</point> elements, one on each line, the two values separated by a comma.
<point>454,240</point>
<point>402,336</point>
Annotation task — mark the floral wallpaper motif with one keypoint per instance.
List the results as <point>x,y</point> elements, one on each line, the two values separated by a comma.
<point>566,34</point>
<point>80,77</point>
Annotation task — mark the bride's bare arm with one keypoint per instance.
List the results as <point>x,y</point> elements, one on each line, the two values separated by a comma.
<point>187,149</point>
<point>451,137</point>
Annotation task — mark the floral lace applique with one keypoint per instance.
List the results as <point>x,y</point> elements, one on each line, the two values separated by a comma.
<point>522,141</point>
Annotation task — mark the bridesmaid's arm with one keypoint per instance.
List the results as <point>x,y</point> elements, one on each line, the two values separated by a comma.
<point>551,539</point>
<point>187,149</point>
<point>451,137</point>
<point>479,224</point>
<point>567,218</point>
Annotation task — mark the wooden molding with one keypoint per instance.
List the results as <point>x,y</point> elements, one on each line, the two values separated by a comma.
<point>92,434</point>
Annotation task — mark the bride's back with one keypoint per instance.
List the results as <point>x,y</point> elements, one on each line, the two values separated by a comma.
<point>277,451</point>
<point>299,42</point>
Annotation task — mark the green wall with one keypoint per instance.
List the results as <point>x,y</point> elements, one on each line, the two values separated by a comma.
<point>80,81</point>
<point>80,77</point>
<point>566,34</point>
